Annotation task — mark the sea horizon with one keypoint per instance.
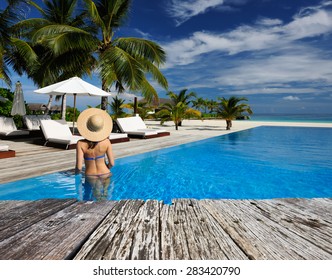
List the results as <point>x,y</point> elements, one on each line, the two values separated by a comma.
<point>278,117</point>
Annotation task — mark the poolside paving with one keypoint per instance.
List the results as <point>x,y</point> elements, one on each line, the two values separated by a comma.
<point>134,229</point>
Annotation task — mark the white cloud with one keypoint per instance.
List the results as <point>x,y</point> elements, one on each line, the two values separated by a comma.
<point>291,98</point>
<point>267,57</point>
<point>264,36</point>
<point>269,21</point>
<point>143,34</point>
<point>183,10</point>
<point>318,23</point>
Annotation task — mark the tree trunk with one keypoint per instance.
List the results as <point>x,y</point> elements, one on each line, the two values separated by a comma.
<point>49,104</point>
<point>103,104</point>
<point>135,106</point>
<point>64,107</point>
<point>104,99</point>
<point>228,124</point>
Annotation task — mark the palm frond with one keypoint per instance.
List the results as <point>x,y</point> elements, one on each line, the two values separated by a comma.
<point>63,38</point>
<point>127,70</point>
<point>148,91</point>
<point>141,48</point>
<point>94,14</point>
<point>155,72</point>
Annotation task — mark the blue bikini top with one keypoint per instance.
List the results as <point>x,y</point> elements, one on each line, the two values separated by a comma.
<point>94,158</point>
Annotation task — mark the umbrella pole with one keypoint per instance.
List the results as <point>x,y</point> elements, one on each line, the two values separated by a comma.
<point>135,106</point>
<point>74,112</point>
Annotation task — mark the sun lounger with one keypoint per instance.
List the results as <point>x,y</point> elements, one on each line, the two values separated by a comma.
<point>5,152</point>
<point>57,133</point>
<point>135,127</point>
<point>118,137</point>
<point>8,129</point>
<point>32,122</point>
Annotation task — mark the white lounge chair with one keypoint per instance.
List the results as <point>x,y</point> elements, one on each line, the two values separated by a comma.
<point>118,137</point>
<point>32,122</point>
<point>135,127</point>
<point>58,133</point>
<point>8,128</point>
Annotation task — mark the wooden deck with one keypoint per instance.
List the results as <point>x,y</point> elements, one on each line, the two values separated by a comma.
<point>186,230</point>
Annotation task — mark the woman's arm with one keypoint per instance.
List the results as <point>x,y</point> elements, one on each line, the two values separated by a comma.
<point>110,156</point>
<point>79,158</point>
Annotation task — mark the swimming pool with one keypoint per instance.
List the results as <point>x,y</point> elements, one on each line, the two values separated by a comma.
<point>259,163</point>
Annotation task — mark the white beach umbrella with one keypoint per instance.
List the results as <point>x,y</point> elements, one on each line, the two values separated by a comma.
<point>18,103</point>
<point>73,86</point>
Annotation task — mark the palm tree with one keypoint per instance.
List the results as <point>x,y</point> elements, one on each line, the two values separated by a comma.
<point>143,109</point>
<point>5,17</point>
<point>212,105</point>
<point>182,97</point>
<point>117,106</point>
<point>199,103</point>
<point>62,42</point>
<point>229,109</point>
<point>124,62</point>
<point>178,109</point>
<point>10,45</point>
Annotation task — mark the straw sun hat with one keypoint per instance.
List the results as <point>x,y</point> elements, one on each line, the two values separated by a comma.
<point>94,124</point>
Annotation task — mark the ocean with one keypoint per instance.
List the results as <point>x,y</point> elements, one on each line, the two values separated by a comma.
<point>323,118</point>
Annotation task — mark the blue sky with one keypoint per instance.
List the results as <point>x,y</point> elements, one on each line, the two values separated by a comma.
<point>277,53</point>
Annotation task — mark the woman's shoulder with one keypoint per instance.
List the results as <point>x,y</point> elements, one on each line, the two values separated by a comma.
<point>106,142</point>
<point>81,142</point>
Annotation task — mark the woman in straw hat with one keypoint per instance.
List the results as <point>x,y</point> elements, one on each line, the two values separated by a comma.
<point>95,126</point>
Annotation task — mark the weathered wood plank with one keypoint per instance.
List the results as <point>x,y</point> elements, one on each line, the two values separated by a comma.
<point>263,238</point>
<point>292,245</point>
<point>173,235</point>
<point>141,239</point>
<point>58,235</point>
<point>188,229</point>
<point>29,213</point>
<point>220,244</point>
<point>316,206</point>
<point>170,250</point>
<point>199,244</point>
<point>108,236</point>
<point>303,223</point>
<point>8,205</point>
<point>245,239</point>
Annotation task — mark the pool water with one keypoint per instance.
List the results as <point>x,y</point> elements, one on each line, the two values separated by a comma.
<point>259,163</point>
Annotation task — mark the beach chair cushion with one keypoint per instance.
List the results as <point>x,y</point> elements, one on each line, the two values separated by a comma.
<point>118,136</point>
<point>32,122</point>
<point>135,125</point>
<point>58,132</point>
<point>8,127</point>
<point>4,148</point>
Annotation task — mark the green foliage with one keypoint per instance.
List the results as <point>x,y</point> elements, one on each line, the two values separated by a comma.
<point>143,109</point>
<point>232,108</point>
<point>124,62</point>
<point>69,115</point>
<point>209,115</point>
<point>6,107</point>
<point>117,108</point>
<point>178,109</point>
